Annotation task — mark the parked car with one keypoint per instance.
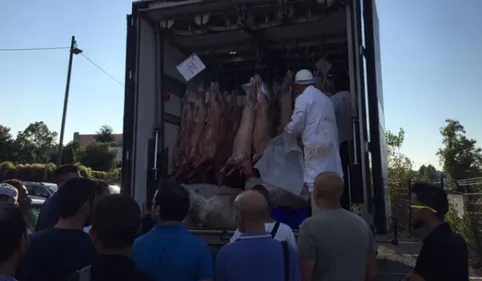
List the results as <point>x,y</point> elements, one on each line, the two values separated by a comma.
<point>114,189</point>
<point>32,216</point>
<point>41,189</point>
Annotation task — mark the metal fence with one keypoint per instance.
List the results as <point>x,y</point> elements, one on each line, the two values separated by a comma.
<point>466,192</point>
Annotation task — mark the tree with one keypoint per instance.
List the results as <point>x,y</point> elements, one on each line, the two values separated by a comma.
<point>460,157</point>
<point>427,173</point>
<point>69,153</point>
<point>105,134</point>
<point>35,144</point>
<point>98,155</point>
<point>7,146</point>
<point>399,165</point>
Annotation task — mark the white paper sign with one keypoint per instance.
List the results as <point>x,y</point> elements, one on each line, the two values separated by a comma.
<point>190,67</point>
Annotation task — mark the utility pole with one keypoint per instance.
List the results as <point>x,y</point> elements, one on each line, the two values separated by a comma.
<point>73,51</point>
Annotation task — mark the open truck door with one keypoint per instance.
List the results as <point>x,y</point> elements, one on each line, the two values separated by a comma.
<point>154,87</point>
<point>377,144</point>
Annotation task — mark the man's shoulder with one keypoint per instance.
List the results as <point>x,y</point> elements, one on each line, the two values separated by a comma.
<point>448,241</point>
<point>186,239</point>
<point>41,235</point>
<point>145,238</point>
<point>192,240</point>
<point>49,200</point>
<point>341,215</point>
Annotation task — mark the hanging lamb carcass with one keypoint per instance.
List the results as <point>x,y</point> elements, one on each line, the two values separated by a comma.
<point>240,160</point>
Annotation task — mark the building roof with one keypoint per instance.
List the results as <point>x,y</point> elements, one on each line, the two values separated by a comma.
<point>85,140</point>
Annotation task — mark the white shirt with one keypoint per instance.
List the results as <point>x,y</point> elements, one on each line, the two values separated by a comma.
<point>284,233</point>
<point>314,119</point>
<point>87,229</point>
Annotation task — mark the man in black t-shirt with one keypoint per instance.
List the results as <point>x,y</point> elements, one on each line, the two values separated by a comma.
<point>116,221</point>
<point>49,215</point>
<point>444,255</point>
<point>55,253</point>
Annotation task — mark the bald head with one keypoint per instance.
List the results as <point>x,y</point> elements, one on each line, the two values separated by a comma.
<point>329,186</point>
<point>251,205</point>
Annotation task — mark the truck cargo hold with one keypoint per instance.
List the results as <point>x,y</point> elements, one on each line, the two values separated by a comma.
<point>213,127</point>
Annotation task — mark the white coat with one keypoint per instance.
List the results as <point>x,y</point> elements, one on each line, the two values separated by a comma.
<point>314,119</point>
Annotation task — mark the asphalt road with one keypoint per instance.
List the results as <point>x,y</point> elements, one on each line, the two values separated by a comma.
<point>396,261</point>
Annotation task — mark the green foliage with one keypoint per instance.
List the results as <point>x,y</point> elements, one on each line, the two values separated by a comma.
<point>105,134</point>
<point>460,156</point>
<point>467,227</point>
<point>35,144</point>
<point>427,173</point>
<point>69,153</point>
<point>6,144</point>
<point>99,156</point>
<point>42,172</point>
<point>399,165</point>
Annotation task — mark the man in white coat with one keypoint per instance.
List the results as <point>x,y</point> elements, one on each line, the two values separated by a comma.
<point>314,120</point>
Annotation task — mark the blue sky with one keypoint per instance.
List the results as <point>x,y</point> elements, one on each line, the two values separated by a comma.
<point>431,57</point>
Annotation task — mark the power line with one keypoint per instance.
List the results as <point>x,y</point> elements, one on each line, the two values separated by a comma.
<point>62,48</point>
<point>33,49</point>
<point>101,69</point>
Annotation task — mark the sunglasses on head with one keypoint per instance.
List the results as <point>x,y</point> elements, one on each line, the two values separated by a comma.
<point>422,207</point>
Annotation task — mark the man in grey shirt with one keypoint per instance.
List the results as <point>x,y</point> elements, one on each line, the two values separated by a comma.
<point>335,244</point>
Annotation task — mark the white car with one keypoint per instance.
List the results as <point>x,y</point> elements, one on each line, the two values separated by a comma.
<point>41,189</point>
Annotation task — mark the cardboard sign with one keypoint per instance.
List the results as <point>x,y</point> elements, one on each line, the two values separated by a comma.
<point>190,67</point>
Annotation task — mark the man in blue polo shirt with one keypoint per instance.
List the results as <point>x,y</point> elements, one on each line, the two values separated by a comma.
<point>169,252</point>
<point>255,256</point>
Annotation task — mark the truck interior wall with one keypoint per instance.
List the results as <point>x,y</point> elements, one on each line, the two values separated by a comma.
<point>173,88</point>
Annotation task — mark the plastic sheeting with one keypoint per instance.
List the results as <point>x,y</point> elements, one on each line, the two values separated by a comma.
<point>211,205</point>
<point>282,164</point>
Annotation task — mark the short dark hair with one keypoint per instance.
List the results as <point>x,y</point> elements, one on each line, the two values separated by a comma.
<point>262,189</point>
<point>15,183</point>
<point>173,201</point>
<point>73,195</point>
<point>341,81</point>
<point>432,196</point>
<point>102,187</point>
<point>116,219</point>
<point>66,169</point>
<point>12,229</point>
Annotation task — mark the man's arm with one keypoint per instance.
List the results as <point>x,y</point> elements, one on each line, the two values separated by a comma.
<point>297,124</point>
<point>205,270</point>
<point>306,253</point>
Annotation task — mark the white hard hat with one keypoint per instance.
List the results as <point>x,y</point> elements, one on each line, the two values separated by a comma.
<point>304,77</point>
